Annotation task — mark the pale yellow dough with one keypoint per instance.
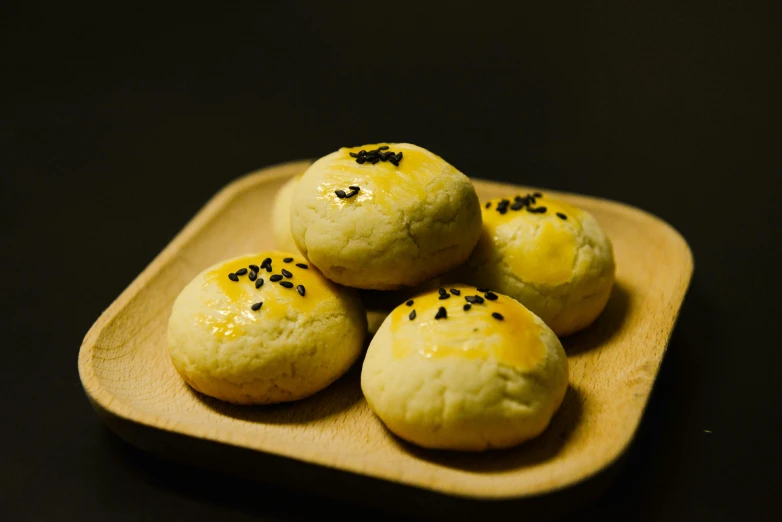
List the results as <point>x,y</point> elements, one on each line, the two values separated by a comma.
<point>406,225</point>
<point>281,216</point>
<point>468,381</point>
<point>560,268</point>
<point>290,348</point>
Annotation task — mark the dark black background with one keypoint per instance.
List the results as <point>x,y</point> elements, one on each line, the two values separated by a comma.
<point>119,122</point>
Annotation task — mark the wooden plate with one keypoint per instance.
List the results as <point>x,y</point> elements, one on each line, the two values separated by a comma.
<point>126,372</point>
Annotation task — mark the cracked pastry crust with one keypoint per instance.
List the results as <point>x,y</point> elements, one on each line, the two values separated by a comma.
<point>224,345</point>
<point>406,224</point>
<point>490,376</point>
<point>559,263</point>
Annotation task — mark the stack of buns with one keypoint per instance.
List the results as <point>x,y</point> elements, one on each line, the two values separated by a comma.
<point>464,300</point>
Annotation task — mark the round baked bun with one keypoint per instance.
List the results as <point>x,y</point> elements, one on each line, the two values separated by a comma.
<point>550,256</point>
<point>237,339</point>
<point>472,371</point>
<point>410,219</point>
<point>281,216</point>
<point>377,303</point>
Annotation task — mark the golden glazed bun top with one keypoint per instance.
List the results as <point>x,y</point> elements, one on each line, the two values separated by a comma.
<point>552,257</point>
<point>234,295</point>
<point>551,229</point>
<point>468,324</point>
<point>410,217</point>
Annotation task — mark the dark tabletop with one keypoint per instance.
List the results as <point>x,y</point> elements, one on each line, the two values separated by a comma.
<point>118,123</point>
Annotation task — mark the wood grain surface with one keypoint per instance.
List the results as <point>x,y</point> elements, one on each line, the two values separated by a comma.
<point>125,369</point>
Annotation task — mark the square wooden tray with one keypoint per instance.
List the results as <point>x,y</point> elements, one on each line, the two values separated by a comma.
<point>126,372</point>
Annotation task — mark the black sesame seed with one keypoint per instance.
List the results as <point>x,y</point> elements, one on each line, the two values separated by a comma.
<point>467,306</point>
<point>491,296</point>
<point>375,160</point>
<point>442,291</point>
<point>351,193</point>
<point>354,187</point>
<point>286,273</point>
<point>384,147</point>
<point>360,160</point>
<point>353,155</point>
<point>503,210</point>
<point>287,284</point>
<point>394,162</point>
<point>454,291</point>
<point>253,275</point>
<point>444,296</point>
<point>412,315</point>
<point>474,299</point>
<point>488,204</point>
<point>256,306</point>
<point>233,277</point>
<point>517,205</point>
<point>398,156</point>
<point>266,261</point>
<point>268,268</point>
<point>560,215</point>
<point>259,283</point>
<point>241,271</point>
<point>497,316</point>
<point>538,195</point>
<point>302,265</point>
<point>287,260</point>
<point>409,303</point>
<point>340,193</point>
<point>254,268</point>
<point>482,289</point>
<point>275,278</point>
<point>362,152</point>
<point>518,198</point>
<point>301,290</point>
<point>442,313</point>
